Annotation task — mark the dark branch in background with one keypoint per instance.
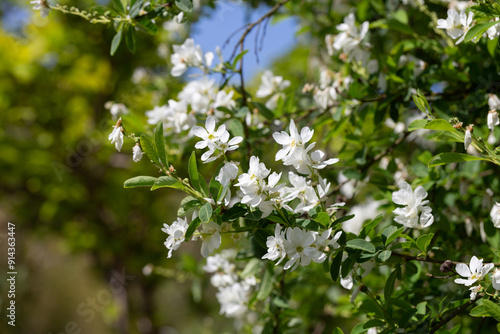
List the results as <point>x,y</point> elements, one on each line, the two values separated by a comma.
<point>453,314</point>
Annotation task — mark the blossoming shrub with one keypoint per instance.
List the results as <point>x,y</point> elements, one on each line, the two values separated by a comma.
<point>355,197</point>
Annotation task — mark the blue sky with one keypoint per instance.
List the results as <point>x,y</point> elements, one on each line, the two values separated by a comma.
<point>228,17</point>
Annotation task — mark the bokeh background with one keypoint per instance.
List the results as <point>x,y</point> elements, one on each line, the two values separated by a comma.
<point>89,253</point>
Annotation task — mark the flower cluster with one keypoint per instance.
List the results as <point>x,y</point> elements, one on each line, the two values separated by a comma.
<point>272,86</point>
<point>350,39</point>
<point>456,24</point>
<point>300,246</point>
<point>215,141</point>
<point>295,153</point>
<point>208,232</point>
<point>415,213</point>
<point>189,55</point>
<point>234,291</point>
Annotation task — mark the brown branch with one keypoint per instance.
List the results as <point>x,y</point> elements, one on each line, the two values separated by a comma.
<point>251,26</point>
<point>421,259</point>
<point>453,314</point>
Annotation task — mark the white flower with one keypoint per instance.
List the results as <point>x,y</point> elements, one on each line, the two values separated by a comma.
<point>42,5</point>
<point>275,246</point>
<point>116,109</point>
<point>116,136</point>
<point>211,238</point>
<point>317,158</point>
<point>493,119</point>
<point>414,203</point>
<point>468,136</point>
<point>227,173</point>
<point>214,140</point>
<point>350,36</point>
<point>495,279</point>
<point>222,269</point>
<point>494,31</point>
<point>176,232</point>
<point>474,272</point>
<point>493,102</point>
<point>292,141</point>
<point>456,25</point>
<point>200,94</point>
<point>233,300</point>
<point>473,291</point>
<point>223,99</point>
<point>272,85</point>
<point>495,215</point>
<point>137,153</point>
<point>185,55</point>
<point>174,116</point>
<point>347,282</point>
<point>299,247</point>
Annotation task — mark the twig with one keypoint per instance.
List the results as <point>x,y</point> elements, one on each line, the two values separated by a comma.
<point>453,315</point>
<point>251,26</point>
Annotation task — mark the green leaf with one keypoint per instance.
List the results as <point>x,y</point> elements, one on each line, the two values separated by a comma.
<point>191,228</point>
<point>421,103</point>
<point>203,185</point>
<point>478,30</point>
<point>194,176</point>
<point>359,328</point>
<point>348,263</point>
<point>492,308</point>
<point>370,226</point>
<point>264,111</point>
<point>254,215</point>
<point>236,127</point>
<point>343,219</point>
<point>206,212</point>
<point>118,6</point>
<point>214,188</point>
<point>234,213</point>
<point>147,25</point>
<point>160,145</point>
<point>479,311</point>
<point>390,233</point>
<point>337,331</point>
<point>148,148</point>
<point>184,5</point>
<point>251,268</point>
<point>238,57</point>
<point>188,204</point>
<point>278,302</point>
<point>130,39</point>
<point>417,124</point>
<point>323,218</point>
<point>167,182</point>
<point>399,26</point>
<point>266,285</point>
<point>139,181</point>
<point>448,158</point>
<point>115,43</point>
<point>361,244</point>
<point>384,255</point>
<point>389,285</point>
<point>136,8</point>
<point>440,125</point>
<point>492,46</point>
<point>423,241</point>
<point>335,267</point>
